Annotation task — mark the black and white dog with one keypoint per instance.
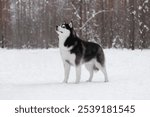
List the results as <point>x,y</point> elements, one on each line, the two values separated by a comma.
<point>75,51</point>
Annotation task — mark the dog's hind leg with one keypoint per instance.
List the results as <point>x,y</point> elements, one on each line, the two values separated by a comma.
<point>67,71</point>
<point>100,63</point>
<point>103,69</point>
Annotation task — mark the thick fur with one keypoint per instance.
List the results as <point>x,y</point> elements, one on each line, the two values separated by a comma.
<point>76,52</point>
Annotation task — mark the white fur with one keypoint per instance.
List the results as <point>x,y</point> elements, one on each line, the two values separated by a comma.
<point>78,73</point>
<point>103,69</point>
<point>67,71</point>
<point>65,52</point>
<point>69,59</point>
<point>90,67</point>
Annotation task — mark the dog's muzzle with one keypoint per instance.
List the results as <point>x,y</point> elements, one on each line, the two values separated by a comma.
<point>58,30</point>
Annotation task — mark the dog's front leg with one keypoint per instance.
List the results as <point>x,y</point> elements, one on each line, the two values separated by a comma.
<point>78,73</point>
<point>67,71</point>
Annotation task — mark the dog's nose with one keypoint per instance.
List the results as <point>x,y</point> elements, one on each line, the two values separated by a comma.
<point>56,27</point>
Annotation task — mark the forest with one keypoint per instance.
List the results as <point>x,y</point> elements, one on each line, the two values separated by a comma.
<point>111,23</point>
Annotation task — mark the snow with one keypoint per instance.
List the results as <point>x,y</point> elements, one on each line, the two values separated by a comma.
<point>147,28</point>
<point>146,1</point>
<point>38,74</point>
<point>134,12</point>
<point>140,7</point>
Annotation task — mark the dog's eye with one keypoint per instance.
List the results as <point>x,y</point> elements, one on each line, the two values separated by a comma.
<point>63,26</point>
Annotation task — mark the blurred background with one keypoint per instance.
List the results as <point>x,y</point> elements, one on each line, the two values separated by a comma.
<point>111,23</point>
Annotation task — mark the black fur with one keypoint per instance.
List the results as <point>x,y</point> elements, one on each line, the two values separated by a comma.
<point>83,49</point>
<point>75,51</point>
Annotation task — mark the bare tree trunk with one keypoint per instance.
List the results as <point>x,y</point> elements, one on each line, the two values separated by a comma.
<point>1,25</point>
<point>103,25</point>
<point>132,24</point>
<point>142,30</point>
<point>111,15</point>
<point>125,24</point>
<point>81,17</point>
<point>5,32</point>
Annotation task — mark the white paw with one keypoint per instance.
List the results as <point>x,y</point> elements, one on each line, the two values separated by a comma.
<point>77,82</point>
<point>88,81</point>
<point>65,81</point>
<point>106,81</point>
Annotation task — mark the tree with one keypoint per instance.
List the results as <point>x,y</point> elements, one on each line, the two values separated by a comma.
<point>111,23</point>
<point>132,24</point>
<point>143,26</point>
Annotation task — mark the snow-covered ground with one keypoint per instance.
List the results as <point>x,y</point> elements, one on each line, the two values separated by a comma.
<point>38,74</point>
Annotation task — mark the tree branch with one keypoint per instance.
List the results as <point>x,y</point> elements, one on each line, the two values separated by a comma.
<point>101,11</point>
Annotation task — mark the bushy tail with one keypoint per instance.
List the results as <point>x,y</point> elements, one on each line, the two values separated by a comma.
<point>100,58</point>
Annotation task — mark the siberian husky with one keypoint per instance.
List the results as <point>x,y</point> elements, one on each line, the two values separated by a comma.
<point>76,52</point>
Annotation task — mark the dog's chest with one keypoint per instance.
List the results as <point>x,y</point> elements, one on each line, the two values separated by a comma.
<point>66,55</point>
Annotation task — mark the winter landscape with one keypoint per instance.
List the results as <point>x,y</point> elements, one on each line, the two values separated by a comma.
<point>30,62</point>
<point>38,74</point>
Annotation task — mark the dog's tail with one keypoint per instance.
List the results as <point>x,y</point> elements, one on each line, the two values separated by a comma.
<point>100,58</point>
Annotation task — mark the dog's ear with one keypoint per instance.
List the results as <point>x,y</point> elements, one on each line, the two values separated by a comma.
<point>71,24</point>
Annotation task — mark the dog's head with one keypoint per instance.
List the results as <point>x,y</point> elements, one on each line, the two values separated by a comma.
<point>64,29</point>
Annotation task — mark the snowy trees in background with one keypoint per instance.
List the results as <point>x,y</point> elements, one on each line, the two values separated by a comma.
<point>131,21</point>
<point>144,22</point>
<point>5,24</point>
<point>111,23</point>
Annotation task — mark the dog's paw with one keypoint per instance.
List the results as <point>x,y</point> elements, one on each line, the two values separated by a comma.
<point>106,81</point>
<point>88,81</point>
<point>65,81</point>
<point>77,82</point>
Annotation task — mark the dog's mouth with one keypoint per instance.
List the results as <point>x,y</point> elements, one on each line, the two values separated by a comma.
<point>60,31</point>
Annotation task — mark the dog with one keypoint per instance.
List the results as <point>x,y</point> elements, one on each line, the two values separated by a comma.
<point>75,52</point>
